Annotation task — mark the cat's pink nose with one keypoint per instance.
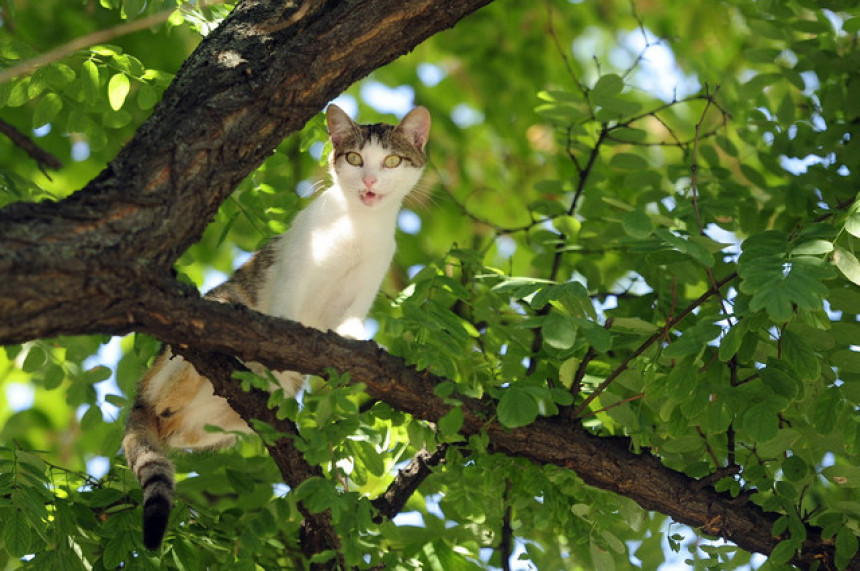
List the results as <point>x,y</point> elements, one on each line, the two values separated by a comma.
<point>369,181</point>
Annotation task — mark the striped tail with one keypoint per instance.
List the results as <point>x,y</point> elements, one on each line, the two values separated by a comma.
<point>153,470</point>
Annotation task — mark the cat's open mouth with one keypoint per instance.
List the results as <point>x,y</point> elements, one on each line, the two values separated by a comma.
<point>368,197</point>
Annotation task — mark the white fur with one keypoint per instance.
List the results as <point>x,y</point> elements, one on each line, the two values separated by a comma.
<point>333,259</point>
<point>327,271</point>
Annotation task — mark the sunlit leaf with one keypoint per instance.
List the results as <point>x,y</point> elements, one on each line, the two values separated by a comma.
<point>847,264</point>
<point>118,88</point>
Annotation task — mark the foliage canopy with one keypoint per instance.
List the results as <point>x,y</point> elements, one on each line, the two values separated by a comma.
<point>642,219</point>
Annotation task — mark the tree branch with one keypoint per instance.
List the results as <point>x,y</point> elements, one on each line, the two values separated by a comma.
<point>258,77</point>
<point>407,481</point>
<point>22,141</point>
<point>603,462</point>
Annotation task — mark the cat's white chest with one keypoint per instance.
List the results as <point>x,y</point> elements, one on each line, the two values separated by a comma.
<point>336,246</point>
<point>330,267</point>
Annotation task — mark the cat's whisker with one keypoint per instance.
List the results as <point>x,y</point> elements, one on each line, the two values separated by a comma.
<point>422,197</point>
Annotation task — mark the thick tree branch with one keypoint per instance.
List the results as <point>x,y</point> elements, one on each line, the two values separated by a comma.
<point>260,76</point>
<point>603,462</point>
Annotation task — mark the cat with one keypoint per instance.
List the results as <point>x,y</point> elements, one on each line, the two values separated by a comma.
<point>324,272</point>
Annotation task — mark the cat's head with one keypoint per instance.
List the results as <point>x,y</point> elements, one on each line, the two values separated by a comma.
<point>377,164</point>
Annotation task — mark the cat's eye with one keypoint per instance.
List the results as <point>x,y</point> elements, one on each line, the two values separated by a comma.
<point>392,161</point>
<point>354,159</point>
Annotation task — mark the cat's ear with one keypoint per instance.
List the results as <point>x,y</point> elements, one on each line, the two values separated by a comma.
<point>340,126</point>
<point>416,126</point>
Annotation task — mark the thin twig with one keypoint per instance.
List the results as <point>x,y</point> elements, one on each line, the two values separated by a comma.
<point>613,405</point>
<point>650,341</point>
<point>407,481</point>
<point>641,55</point>
<point>576,386</point>
<point>708,448</point>
<point>694,165</point>
<point>97,37</point>
<point>563,53</point>
<point>20,140</point>
<point>694,190</point>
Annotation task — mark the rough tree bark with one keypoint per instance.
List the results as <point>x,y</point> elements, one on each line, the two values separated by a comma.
<point>100,261</point>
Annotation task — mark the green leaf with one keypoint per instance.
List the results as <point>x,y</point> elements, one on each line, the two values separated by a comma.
<point>852,223</point>
<point>132,8</point>
<point>53,376</point>
<point>92,418</point>
<point>800,355</point>
<point>451,422</point>
<point>794,468</point>
<point>607,86</point>
<point>116,549</point>
<point>614,108</point>
<point>517,408</point>
<point>559,331</point>
<point>90,79</point>
<point>761,55</point>
<point>551,186</point>
<point>633,325</point>
<point>561,112</point>
<point>753,175</point>
<point>847,264</point>
<point>783,552</point>
<point>185,555</point>
<point>812,248</point>
<point>561,396</point>
<point>682,445</point>
<point>852,25</point>
<point>693,340</point>
<point>598,337</point>
<point>118,88</point>
<point>776,302</point>
<point>147,97</point>
<point>35,360</point>
<point>700,253</point>
<point>731,342</point>
<point>370,457</point>
<point>846,360</point>
<point>760,422</point>
<point>97,374</point>
<point>846,546</point>
<point>637,224</point>
<point>47,108</point>
<point>843,476</point>
<point>116,119</point>
<point>601,558</point>
<point>779,380</point>
<point>628,161</point>
<point>567,225</point>
<point>59,75</point>
<point>17,535</point>
<point>824,412</point>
